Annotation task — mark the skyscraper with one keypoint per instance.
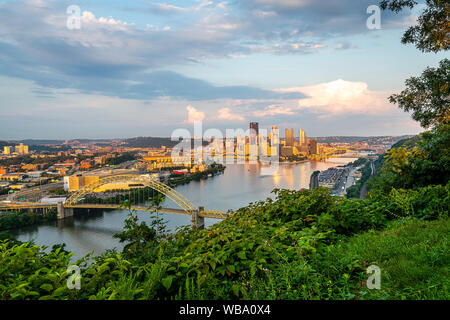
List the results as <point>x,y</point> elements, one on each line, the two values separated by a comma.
<point>302,137</point>
<point>254,141</point>
<point>274,147</point>
<point>254,131</point>
<point>314,147</point>
<point>289,133</point>
<point>275,139</point>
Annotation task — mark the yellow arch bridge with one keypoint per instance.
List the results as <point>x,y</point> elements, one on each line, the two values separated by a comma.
<point>78,200</point>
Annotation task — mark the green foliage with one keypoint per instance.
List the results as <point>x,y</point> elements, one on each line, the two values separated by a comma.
<point>10,221</point>
<point>28,273</point>
<point>214,169</point>
<point>120,159</point>
<point>431,34</point>
<point>289,247</point>
<point>59,192</point>
<point>427,96</point>
<point>427,162</point>
<point>359,162</point>
<point>118,196</point>
<point>354,191</point>
<point>413,257</point>
<point>4,191</point>
<point>366,173</point>
<point>142,239</point>
<point>427,203</point>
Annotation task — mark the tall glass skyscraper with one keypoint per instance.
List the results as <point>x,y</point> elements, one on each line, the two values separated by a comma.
<point>302,137</point>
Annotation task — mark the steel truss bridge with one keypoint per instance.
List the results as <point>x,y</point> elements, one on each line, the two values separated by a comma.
<point>335,153</point>
<point>80,199</point>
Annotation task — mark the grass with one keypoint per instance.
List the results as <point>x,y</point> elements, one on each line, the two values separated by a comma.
<point>413,257</point>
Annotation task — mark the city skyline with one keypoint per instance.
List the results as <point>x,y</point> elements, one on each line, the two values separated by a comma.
<point>302,137</point>
<point>153,67</point>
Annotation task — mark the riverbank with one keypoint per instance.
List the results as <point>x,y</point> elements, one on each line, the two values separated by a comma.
<point>16,220</point>
<point>213,170</point>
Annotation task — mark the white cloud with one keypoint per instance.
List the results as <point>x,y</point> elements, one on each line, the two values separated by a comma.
<point>265,14</point>
<point>342,97</point>
<point>194,114</point>
<point>89,17</point>
<point>289,4</point>
<point>202,4</point>
<point>286,49</point>
<point>226,114</point>
<point>274,110</point>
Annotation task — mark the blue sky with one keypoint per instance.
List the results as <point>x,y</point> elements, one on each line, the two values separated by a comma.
<point>145,68</point>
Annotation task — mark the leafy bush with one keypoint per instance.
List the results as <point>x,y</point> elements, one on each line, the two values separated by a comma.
<point>425,162</point>
<point>289,247</point>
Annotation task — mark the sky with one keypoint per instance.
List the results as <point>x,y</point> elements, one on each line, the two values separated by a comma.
<point>146,68</point>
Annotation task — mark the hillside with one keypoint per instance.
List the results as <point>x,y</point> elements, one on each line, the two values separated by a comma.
<point>302,245</point>
<point>150,142</point>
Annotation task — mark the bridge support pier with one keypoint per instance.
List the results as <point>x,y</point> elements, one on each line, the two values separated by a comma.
<point>64,212</point>
<point>197,221</point>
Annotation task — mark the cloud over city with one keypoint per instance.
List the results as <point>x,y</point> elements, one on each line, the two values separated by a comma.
<point>342,97</point>
<point>139,56</point>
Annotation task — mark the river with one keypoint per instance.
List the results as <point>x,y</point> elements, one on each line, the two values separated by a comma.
<point>239,185</point>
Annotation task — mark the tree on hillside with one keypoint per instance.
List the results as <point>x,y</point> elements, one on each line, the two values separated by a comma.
<point>425,160</point>
<point>432,30</point>
<point>427,96</point>
<point>425,163</point>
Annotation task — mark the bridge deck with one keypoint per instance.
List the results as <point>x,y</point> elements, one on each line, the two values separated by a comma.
<point>214,214</point>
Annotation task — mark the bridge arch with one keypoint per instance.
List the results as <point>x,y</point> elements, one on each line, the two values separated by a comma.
<point>145,180</point>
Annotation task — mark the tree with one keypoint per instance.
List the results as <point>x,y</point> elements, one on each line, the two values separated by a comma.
<point>427,96</point>
<point>141,239</point>
<point>425,163</point>
<point>431,32</point>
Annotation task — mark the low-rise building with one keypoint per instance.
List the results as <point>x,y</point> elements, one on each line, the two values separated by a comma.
<point>11,177</point>
<point>29,167</point>
<point>17,186</point>
<point>62,171</point>
<point>54,199</point>
<point>4,184</point>
<point>199,168</point>
<point>7,150</point>
<point>86,164</point>
<point>166,162</point>
<point>22,149</point>
<point>100,160</point>
<point>77,182</point>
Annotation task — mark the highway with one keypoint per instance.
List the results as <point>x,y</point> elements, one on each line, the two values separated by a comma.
<point>34,192</point>
<point>345,181</point>
<point>341,182</point>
